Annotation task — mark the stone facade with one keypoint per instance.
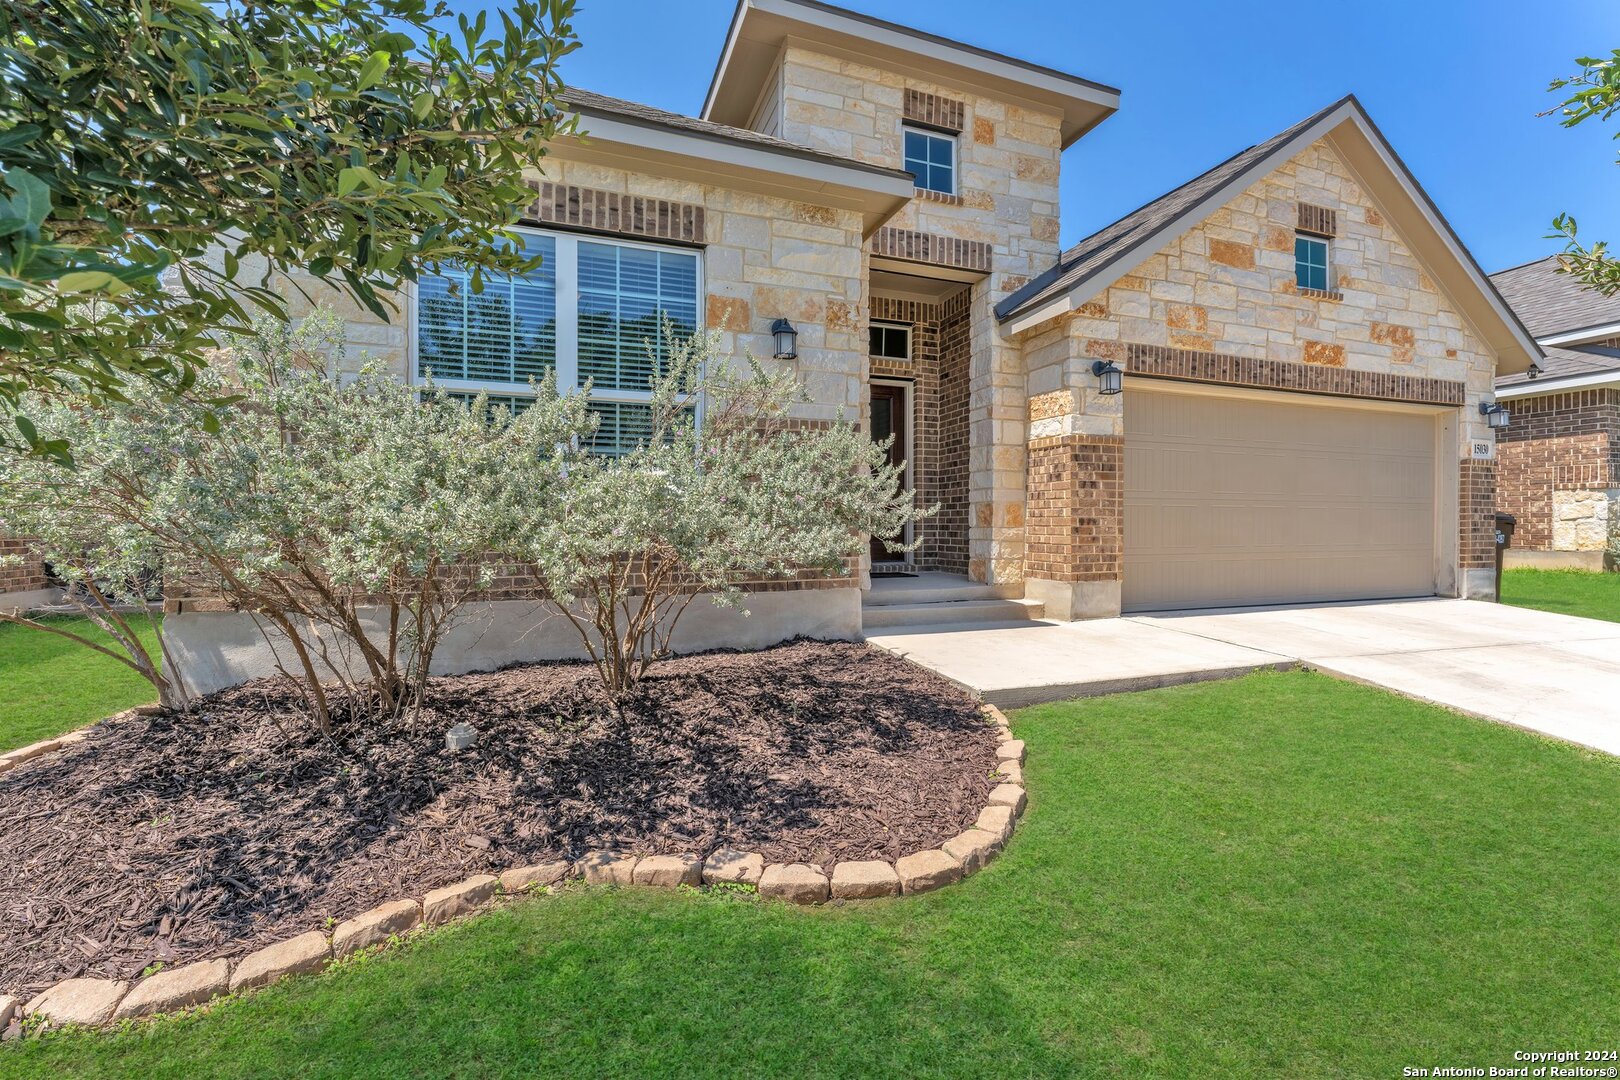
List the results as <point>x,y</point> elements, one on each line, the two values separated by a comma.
<point>1006,205</point>
<point>1559,471</point>
<point>1220,305</point>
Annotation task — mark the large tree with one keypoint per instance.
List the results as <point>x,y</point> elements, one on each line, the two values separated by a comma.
<point>1593,92</point>
<point>162,161</point>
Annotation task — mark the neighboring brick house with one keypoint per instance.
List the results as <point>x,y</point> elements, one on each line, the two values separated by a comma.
<point>1305,342</point>
<point>24,584</point>
<point>1560,457</point>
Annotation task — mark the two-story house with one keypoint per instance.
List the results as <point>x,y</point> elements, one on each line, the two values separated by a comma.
<point>1272,384</point>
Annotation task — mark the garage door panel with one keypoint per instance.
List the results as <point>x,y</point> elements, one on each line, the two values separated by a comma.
<point>1236,501</point>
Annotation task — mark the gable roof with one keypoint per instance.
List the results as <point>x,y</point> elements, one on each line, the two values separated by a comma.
<point>1110,253</point>
<point>1551,304</point>
<point>1587,363</point>
<point>760,28</point>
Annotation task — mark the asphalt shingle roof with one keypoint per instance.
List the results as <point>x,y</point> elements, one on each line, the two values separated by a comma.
<point>1550,303</point>
<point>1107,245</point>
<point>587,102</point>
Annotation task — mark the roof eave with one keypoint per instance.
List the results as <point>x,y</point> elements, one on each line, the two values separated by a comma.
<point>1512,344</point>
<point>764,25</point>
<point>807,176</point>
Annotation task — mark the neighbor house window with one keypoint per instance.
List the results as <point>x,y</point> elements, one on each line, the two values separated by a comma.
<point>889,341</point>
<point>593,310</point>
<point>1311,261</point>
<point>931,158</point>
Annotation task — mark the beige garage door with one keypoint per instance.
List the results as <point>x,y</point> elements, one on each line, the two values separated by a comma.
<point>1232,501</point>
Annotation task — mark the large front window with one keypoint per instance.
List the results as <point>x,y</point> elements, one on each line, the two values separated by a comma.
<point>593,310</point>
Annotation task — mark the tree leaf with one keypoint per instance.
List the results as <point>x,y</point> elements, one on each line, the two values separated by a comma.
<point>81,281</point>
<point>371,72</point>
<point>36,197</point>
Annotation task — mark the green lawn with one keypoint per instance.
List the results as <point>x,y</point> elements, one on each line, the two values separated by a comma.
<point>1279,876</point>
<point>49,684</point>
<point>1570,592</point>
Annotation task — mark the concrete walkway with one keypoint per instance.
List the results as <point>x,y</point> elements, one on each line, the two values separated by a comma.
<point>1555,674</point>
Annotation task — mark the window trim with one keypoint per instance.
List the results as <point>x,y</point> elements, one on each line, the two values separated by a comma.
<point>889,324</point>
<point>1327,259</point>
<point>953,138</point>
<point>567,291</point>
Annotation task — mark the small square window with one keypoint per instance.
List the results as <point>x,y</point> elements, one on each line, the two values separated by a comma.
<point>931,158</point>
<point>890,341</point>
<point>1311,262</point>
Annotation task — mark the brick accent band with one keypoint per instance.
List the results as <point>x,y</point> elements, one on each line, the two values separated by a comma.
<point>1074,514</point>
<point>1322,220</point>
<point>933,110</point>
<point>932,248</point>
<point>613,212</point>
<point>1190,365</point>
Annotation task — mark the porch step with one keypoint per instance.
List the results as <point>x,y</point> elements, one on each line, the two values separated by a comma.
<point>993,610</point>
<point>928,588</point>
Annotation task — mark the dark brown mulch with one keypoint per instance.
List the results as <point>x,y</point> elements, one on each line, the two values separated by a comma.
<point>183,838</point>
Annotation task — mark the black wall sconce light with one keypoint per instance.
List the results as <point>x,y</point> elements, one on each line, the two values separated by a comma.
<point>787,340</point>
<point>1110,379</point>
<point>1495,415</point>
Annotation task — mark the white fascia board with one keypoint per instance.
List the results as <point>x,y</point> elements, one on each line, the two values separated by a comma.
<point>814,172</point>
<point>1543,386</point>
<point>1580,337</point>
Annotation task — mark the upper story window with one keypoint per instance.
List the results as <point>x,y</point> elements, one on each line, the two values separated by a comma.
<point>931,158</point>
<point>593,309</point>
<point>1311,261</point>
<point>889,341</point>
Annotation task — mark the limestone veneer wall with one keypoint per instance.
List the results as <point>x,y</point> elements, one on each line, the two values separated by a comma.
<point>1007,176</point>
<point>1227,287</point>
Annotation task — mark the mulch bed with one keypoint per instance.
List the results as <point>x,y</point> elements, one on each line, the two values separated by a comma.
<point>184,838</point>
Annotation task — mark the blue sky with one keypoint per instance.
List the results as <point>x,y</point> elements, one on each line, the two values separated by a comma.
<point>1454,84</point>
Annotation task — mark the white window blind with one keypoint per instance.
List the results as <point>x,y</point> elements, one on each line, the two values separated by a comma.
<point>593,310</point>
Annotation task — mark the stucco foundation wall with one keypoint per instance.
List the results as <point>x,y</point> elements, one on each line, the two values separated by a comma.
<point>221,649</point>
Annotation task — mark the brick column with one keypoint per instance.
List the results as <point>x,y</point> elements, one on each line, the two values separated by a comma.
<point>1075,514</point>
<point>1476,536</point>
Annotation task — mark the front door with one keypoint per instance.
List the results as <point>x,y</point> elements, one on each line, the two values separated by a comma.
<point>889,413</point>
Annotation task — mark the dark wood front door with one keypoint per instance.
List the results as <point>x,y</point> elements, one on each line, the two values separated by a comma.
<point>889,413</point>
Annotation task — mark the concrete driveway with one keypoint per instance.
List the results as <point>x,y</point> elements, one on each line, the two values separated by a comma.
<point>1555,674</point>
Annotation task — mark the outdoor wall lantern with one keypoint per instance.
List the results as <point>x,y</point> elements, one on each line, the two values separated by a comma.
<point>787,340</point>
<point>1495,415</point>
<point>1110,380</point>
<point>1534,372</point>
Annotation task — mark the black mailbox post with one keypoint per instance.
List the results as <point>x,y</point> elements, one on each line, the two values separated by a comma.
<point>1504,540</point>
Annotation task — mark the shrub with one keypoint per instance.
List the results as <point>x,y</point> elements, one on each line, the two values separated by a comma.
<point>726,491</point>
<point>353,517</point>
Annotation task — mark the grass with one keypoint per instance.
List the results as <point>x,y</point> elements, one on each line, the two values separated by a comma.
<point>1569,592</point>
<point>1282,875</point>
<point>49,684</point>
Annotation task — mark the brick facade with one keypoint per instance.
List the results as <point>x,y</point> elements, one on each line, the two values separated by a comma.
<point>1558,468</point>
<point>1191,365</point>
<point>28,576</point>
<point>1074,521</point>
<point>1476,506</point>
<point>615,212</point>
<point>939,436</point>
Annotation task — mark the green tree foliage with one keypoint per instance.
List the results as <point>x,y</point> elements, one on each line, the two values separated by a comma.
<point>164,160</point>
<point>1593,92</point>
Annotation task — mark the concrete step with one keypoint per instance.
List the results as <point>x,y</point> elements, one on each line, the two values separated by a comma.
<point>941,589</point>
<point>880,616</point>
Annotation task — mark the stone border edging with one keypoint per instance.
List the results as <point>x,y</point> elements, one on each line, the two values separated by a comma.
<point>98,1002</point>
